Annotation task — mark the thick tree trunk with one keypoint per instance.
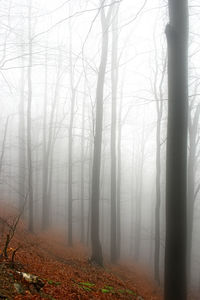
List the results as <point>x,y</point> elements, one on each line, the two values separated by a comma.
<point>176,173</point>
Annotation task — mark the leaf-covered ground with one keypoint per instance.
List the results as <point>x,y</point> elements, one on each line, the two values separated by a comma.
<point>67,273</point>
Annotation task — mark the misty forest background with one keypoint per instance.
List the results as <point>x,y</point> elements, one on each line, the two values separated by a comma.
<point>64,67</point>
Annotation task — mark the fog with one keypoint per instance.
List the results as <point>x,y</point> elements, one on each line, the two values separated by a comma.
<point>59,62</point>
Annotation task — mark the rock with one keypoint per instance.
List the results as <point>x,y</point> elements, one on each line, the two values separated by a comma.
<point>29,277</point>
<point>32,279</point>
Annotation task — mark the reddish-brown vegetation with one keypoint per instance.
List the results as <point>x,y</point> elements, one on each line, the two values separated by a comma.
<point>66,272</point>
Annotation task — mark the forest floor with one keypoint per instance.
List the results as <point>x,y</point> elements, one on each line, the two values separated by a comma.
<point>66,273</point>
<point>61,272</point>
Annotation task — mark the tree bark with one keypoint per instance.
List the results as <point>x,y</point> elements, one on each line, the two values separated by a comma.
<point>83,173</point>
<point>138,208</point>
<point>192,160</point>
<point>119,180</point>
<point>70,143</point>
<point>45,159</point>
<point>114,84</point>
<point>22,139</point>
<point>97,256</point>
<point>176,169</point>
<point>29,127</point>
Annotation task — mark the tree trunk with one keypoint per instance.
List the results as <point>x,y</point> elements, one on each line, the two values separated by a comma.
<point>22,141</point>
<point>158,200</point>
<point>97,256</point>
<point>48,149</point>
<point>29,128</point>
<point>119,181</point>
<point>70,143</point>
<point>45,160</point>
<point>138,209</point>
<point>83,173</point>
<point>89,190</point>
<point>192,157</point>
<point>114,83</point>
<point>132,210</point>
<point>159,110</point>
<point>176,169</point>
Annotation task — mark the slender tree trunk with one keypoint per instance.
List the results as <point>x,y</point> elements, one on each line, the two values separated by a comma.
<point>158,201</point>
<point>176,173</point>
<point>96,246</point>
<point>29,127</point>
<point>50,185</point>
<point>48,149</point>
<point>89,192</point>
<point>119,181</point>
<point>70,175</point>
<point>22,140</point>
<point>132,203</point>
<point>36,179</point>
<point>138,209</point>
<point>70,144</point>
<point>114,83</point>
<point>159,110</point>
<point>152,242</point>
<point>51,161</point>
<point>138,212</point>
<point>83,173</point>
<point>45,160</point>
<point>192,157</point>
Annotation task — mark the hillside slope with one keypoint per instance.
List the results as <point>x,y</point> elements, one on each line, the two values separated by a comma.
<point>66,273</point>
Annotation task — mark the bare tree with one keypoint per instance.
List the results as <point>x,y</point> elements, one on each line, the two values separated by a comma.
<point>22,138</point>
<point>138,196</point>
<point>83,172</point>
<point>119,175</point>
<point>45,220</point>
<point>96,246</point>
<point>48,141</point>
<point>114,83</point>
<point>29,125</point>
